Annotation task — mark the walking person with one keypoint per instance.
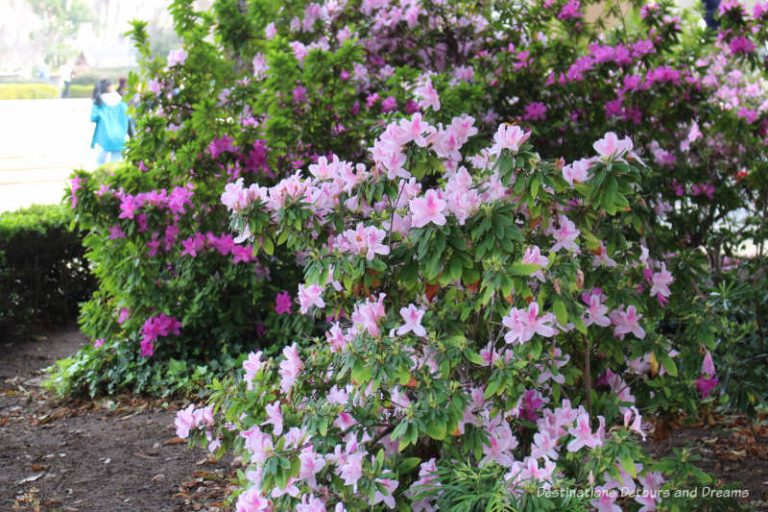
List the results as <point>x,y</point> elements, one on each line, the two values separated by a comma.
<point>111,117</point>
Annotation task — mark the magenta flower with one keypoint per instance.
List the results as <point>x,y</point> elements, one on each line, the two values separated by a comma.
<point>116,232</point>
<point>536,111</point>
<point>427,209</point>
<point>283,302</point>
<point>412,317</point>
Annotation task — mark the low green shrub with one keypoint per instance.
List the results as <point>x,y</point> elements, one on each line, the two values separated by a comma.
<point>43,275</point>
<point>31,91</point>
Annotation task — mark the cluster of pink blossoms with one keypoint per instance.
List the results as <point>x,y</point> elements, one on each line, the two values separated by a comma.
<point>156,327</point>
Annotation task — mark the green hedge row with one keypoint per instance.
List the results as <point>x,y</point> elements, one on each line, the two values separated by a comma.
<point>37,91</point>
<point>43,274</point>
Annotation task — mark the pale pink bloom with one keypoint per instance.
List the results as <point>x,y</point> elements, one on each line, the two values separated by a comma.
<point>274,417</point>
<point>427,95</point>
<point>270,31</point>
<point>660,282</point>
<point>310,296</point>
<point>260,66</point>
<point>610,147</point>
<point>509,137</point>
<point>177,57</point>
<point>544,445</point>
<point>582,435</point>
<point>258,443</point>
<point>290,367</point>
<point>501,443</point>
<point>533,256</point>
<point>577,172</point>
<point>596,310</point>
<point>311,465</point>
<point>185,421</point>
<point>337,396</point>
<point>310,504</point>
<point>605,501</point>
<point>708,365</point>
<point>602,258</point>
<point>411,130</point>
<point>624,483</point>
<point>344,421</point>
<point>565,235</point>
<point>387,497</point>
<point>252,501</point>
<point>412,317</point>
<point>523,325</point>
<point>626,322</point>
<point>368,314</point>
<point>529,470</point>
<point>252,365</point>
<point>336,338</point>
<point>351,469</point>
<point>427,209</point>
<point>634,421</point>
<point>204,417</point>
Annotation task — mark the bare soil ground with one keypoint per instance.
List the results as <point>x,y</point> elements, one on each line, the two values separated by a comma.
<point>111,455</point>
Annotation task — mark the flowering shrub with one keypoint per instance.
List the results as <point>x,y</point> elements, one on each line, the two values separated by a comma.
<point>278,88</point>
<point>463,303</point>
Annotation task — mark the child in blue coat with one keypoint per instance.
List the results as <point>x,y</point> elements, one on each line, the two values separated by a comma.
<point>111,117</point>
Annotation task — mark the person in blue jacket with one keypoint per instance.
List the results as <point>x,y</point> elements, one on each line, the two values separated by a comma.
<point>111,117</point>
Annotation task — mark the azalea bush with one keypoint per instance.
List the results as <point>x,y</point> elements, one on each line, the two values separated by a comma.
<point>485,311</point>
<point>260,89</point>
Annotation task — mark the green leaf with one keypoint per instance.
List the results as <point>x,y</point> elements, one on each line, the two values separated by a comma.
<point>523,269</point>
<point>628,464</point>
<point>560,311</point>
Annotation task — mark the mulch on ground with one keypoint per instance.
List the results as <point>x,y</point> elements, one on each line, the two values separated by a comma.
<point>114,454</point>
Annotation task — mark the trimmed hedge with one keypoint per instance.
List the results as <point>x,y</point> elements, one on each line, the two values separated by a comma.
<point>40,91</point>
<point>43,275</point>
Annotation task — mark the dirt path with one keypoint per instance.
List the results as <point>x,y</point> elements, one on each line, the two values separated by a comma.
<point>107,456</point>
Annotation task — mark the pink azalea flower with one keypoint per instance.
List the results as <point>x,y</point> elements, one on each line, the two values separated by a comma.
<point>610,147</point>
<point>368,314</point>
<point>290,367</point>
<point>582,435</point>
<point>596,310</point>
<point>606,501</point>
<point>708,365</point>
<point>252,501</point>
<point>310,504</point>
<point>509,137</point>
<point>427,95</point>
<point>177,57</point>
<point>274,417</point>
<point>660,283</point>
<point>412,317</point>
<point>311,465</point>
<point>626,322</point>
<point>385,497</point>
<point>283,303</point>
<point>351,469</point>
<point>577,172</point>
<point>185,421</point>
<point>252,366</point>
<point>523,325</point>
<point>258,443</point>
<point>310,296</point>
<point>427,209</point>
<point>565,235</point>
